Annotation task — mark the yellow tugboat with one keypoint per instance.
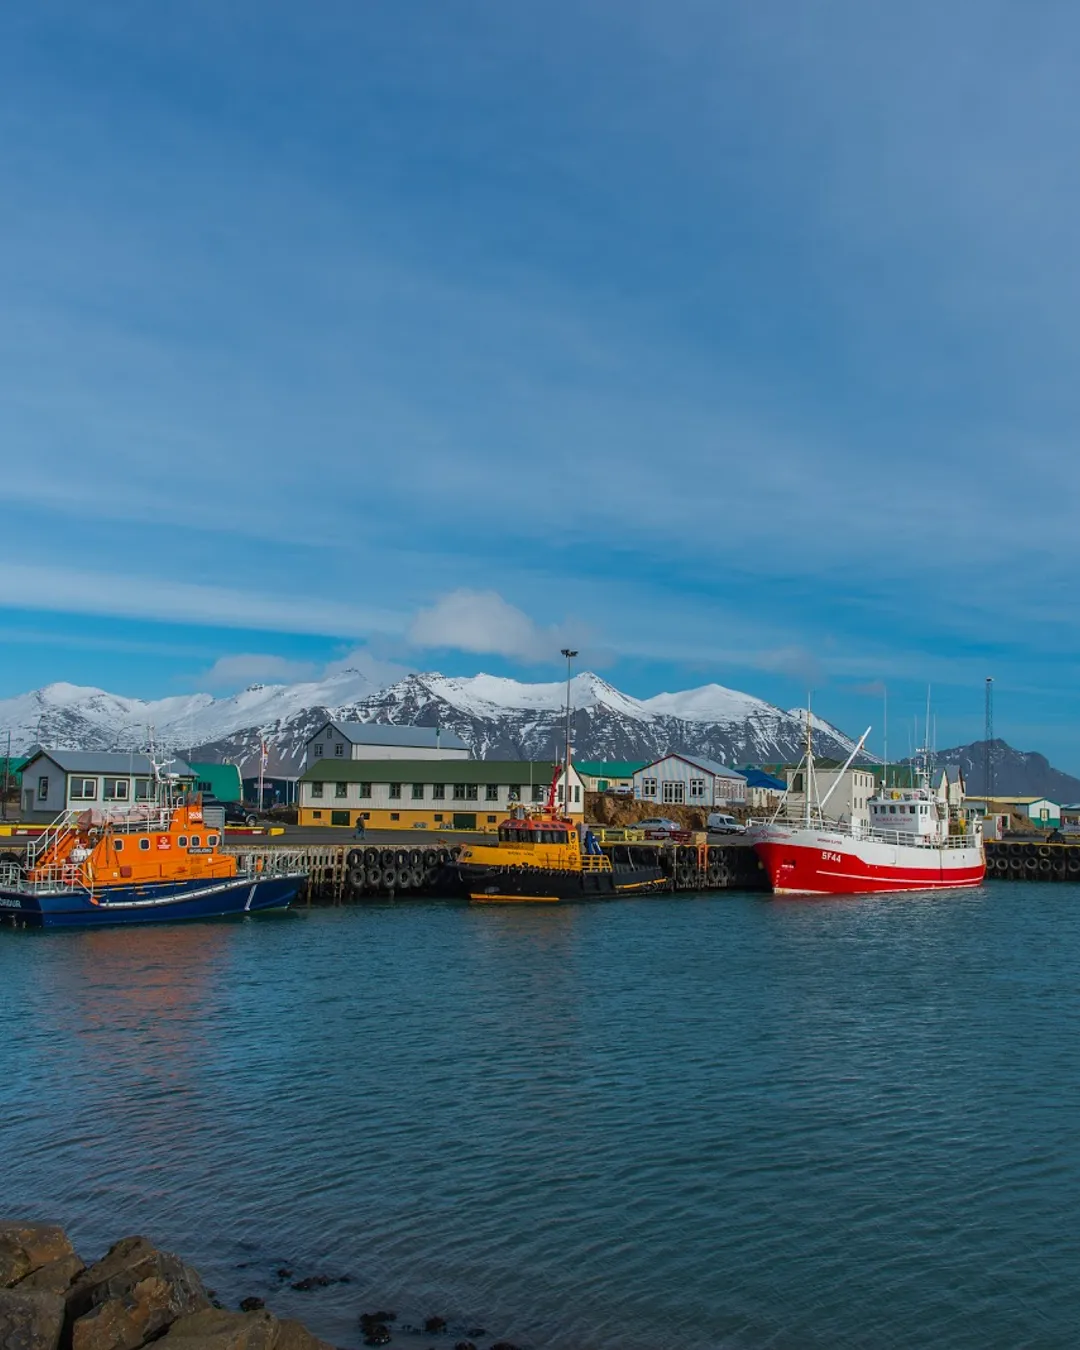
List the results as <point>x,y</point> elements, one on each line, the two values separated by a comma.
<point>543,857</point>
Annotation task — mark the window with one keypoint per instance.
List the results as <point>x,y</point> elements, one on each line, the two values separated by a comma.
<point>117,789</point>
<point>144,844</point>
<point>438,792</point>
<point>316,789</point>
<point>438,820</point>
<point>472,792</point>
<point>142,790</point>
<point>318,751</point>
<point>459,792</point>
<point>491,793</point>
<point>182,841</point>
<point>491,820</point>
<point>341,789</point>
<point>395,792</point>
<point>363,790</point>
<point>648,787</point>
<point>339,750</point>
<point>84,790</point>
<point>43,789</point>
<point>513,792</point>
<point>316,815</point>
<point>199,787</point>
<point>697,788</point>
<point>118,845</point>
<point>577,792</point>
<point>674,793</point>
<point>196,841</point>
<point>395,815</point>
<point>212,841</point>
<point>329,733</point>
<point>418,792</point>
<point>538,792</point>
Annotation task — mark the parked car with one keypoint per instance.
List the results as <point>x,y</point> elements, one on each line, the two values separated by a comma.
<point>656,827</point>
<point>235,813</point>
<point>719,823</point>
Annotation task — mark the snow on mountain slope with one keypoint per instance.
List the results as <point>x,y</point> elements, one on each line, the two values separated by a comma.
<point>710,703</point>
<point>825,728</point>
<point>498,717</point>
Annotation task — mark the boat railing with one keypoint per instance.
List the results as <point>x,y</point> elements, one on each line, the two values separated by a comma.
<point>279,863</point>
<point>857,830</point>
<point>10,874</point>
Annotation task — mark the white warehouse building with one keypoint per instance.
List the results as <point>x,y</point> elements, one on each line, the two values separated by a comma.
<point>689,780</point>
<point>381,740</point>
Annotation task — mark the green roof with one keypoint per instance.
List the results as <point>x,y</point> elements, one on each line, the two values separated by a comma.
<point>224,780</point>
<point>610,768</point>
<point>428,771</point>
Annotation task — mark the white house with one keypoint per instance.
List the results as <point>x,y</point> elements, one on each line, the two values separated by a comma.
<point>379,740</point>
<point>54,781</point>
<point>848,793</point>
<point>689,780</point>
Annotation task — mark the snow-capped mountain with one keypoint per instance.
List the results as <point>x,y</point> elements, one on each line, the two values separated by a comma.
<point>498,717</point>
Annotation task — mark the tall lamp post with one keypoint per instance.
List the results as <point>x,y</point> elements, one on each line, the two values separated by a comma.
<point>566,762</point>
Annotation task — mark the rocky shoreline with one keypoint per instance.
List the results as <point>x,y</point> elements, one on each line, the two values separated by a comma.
<point>137,1295</point>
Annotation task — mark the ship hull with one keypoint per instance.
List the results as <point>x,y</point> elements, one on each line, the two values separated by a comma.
<point>164,902</point>
<point>808,861</point>
<point>540,885</point>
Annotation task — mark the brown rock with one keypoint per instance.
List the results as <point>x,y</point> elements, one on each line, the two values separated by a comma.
<point>295,1336</point>
<point>56,1277</point>
<point>217,1329</point>
<point>131,1296</point>
<point>26,1247</point>
<point>30,1319</point>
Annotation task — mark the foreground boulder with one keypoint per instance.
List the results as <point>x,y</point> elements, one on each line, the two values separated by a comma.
<point>26,1247</point>
<point>131,1296</point>
<point>55,1277</point>
<point>218,1329</point>
<point>30,1319</point>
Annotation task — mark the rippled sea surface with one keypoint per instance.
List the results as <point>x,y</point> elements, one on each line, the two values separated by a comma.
<point>680,1122</point>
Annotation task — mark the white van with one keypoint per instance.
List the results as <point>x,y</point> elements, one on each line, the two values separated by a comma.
<point>718,823</point>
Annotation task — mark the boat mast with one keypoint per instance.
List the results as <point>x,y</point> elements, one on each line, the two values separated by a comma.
<point>566,762</point>
<point>809,759</point>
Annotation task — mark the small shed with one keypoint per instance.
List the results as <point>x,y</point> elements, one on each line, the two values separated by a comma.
<point>608,775</point>
<point>220,781</point>
<point>689,780</point>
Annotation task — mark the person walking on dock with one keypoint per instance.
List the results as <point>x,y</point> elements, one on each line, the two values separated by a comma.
<point>360,827</point>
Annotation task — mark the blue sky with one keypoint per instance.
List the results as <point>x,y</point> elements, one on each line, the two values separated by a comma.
<point>729,342</point>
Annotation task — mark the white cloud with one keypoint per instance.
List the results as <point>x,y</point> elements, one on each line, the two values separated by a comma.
<point>248,667</point>
<point>483,622</point>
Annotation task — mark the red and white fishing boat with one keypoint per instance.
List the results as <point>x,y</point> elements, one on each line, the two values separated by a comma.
<point>912,841</point>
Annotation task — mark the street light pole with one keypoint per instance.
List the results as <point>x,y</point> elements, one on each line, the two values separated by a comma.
<point>566,762</point>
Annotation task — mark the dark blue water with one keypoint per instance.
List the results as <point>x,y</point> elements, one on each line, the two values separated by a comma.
<point>680,1122</point>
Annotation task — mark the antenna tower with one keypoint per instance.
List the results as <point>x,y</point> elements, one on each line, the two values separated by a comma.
<point>988,738</point>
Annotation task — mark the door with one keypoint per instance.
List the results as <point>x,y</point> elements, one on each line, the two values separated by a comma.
<point>464,821</point>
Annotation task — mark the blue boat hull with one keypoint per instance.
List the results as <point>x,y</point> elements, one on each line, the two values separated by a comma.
<point>161,902</point>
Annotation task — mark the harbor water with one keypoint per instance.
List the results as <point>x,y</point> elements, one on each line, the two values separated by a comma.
<point>686,1121</point>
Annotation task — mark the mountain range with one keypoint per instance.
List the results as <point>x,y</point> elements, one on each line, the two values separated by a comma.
<point>499,718</point>
<point>1020,773</point>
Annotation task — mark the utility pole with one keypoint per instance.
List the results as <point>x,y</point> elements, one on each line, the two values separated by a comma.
<point>566,762</point>
<point>988,737</point>
<point>7,778</point>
